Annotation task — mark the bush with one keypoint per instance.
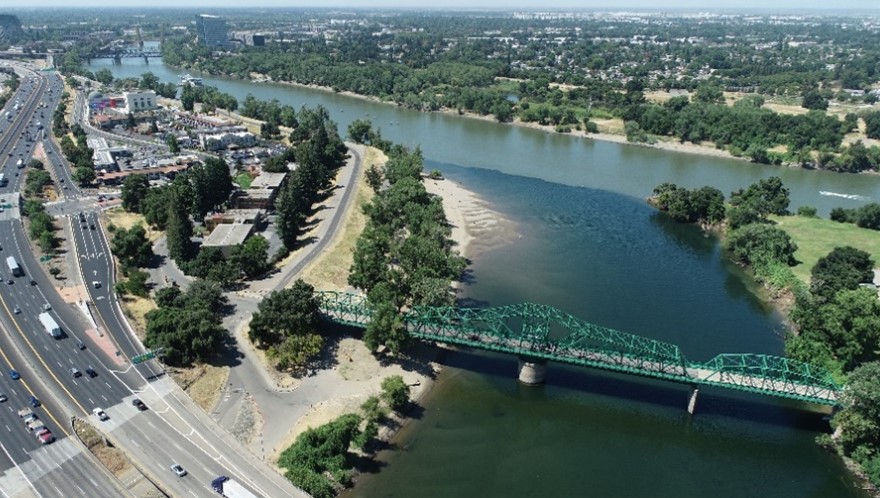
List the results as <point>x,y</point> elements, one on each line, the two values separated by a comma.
<point>807,211</point>
<point>395,392</point>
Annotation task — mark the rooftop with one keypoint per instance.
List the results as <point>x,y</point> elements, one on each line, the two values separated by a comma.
<point>268,180</point>
<point>228,234</point>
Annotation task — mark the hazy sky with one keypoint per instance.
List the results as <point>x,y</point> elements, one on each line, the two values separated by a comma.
<point>469,4</point>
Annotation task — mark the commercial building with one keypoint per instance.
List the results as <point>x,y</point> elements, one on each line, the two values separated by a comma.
<point>139,101</point>
<point>211,31</point>
<point>218,141</point>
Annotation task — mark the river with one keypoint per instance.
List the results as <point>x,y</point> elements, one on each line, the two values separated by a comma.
<point>587,243</point>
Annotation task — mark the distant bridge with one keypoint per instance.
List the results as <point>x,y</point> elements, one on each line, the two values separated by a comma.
<point>537,333</point>
<point>126,53</point>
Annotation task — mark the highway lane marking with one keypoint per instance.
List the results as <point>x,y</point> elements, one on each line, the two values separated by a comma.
<point>26,478</point>
<point>49,370</point>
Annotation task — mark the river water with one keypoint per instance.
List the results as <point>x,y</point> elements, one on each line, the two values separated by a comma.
<point>587,243</point>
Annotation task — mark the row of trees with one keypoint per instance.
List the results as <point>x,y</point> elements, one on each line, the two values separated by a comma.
<point>404,257</point>
<point>79,155</point>
<point>836,318</point>
<point>867,216</point>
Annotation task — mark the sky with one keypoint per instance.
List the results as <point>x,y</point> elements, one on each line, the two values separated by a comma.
<point>467,4</point>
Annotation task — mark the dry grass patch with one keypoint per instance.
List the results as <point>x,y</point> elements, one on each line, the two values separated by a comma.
<point>113,458</point>
<point>612,125</point>
<point>330,270</point>
<point>203,383</point>
<point>121,218</point>
<point>136,309</point>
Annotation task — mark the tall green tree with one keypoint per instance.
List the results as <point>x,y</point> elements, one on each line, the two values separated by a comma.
<point>132,247</point>
<point>179,226</point>
<point>134,191</point>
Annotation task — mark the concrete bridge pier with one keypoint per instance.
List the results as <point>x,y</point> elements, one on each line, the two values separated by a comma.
<point>532,372</point>
<point>692,401</point>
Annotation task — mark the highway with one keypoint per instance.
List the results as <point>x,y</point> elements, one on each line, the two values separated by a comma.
<point>173,429</point>
<point>28,468</point>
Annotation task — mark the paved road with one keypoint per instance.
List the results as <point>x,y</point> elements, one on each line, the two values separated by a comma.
<point>174,429</point>
<point>26,467</point>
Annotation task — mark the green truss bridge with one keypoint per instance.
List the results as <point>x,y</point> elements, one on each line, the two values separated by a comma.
<point>537,333</point>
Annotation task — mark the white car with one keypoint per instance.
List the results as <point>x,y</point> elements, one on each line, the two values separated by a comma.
<point>177,469</point>
<point>101,414</point>
<point>3,398</point>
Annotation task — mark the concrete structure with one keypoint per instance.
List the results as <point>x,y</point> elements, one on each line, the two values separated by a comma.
<point>268,181</point>
<point>532,372</point>
<point>140,101</point>
<point>228,235</point>
<point>211,31</point>
<point>231,216</point>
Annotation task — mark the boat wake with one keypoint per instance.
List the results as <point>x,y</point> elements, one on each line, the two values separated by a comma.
<point>845,196</point>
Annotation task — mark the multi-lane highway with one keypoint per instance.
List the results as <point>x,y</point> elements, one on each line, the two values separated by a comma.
<point>173,429</point>
<point>27,467</point>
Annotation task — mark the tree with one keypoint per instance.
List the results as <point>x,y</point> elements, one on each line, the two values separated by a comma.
<point>760,244</point>
<point>374,177</point>
<point>360,131</point>
<point>290,211</point>
<point>36,180</point>
<point>104,76</point>
<point>868,216</point>
<point>155,206</point>
<point>35,164</point>
<point>84,175</point>
<point>130,123</point>
<point>285,313</point>
<point>173,147</point>
<point>814,100</point>
<point>134,191</point>
<point>395,392</point>
<point>135,285</point>
<point>872,124</point>
<point>386,328</point>
<point>179,226</point>
<point>252,256</point>
<point>859,421</point>
<point>768,196</point>
<point>843,268</point>
<point>168,297</point>
<point>132,247</point>
<point>188,98</point>
<point>709,94</point>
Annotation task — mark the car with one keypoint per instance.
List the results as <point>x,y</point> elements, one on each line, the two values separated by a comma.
<point>139,404</point>
<point>96,284</point>
<point>14,375</point>
<point>47,307</point>
<point>3,398</point>
<point>46,437</point>
<point>9,281</point>
<point>16,310</point>
<point>177,469</point>
<point>33,282</point>
<point>75,373</point>
<point>80,345</point>
<point>34,401</point>
<point>92,226</point>
<point>91,372</point>
<point>101,414</point>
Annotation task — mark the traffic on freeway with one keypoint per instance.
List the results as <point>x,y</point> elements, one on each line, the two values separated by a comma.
<point>75,359</point>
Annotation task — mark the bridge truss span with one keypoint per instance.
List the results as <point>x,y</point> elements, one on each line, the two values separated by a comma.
<point>537,332</point>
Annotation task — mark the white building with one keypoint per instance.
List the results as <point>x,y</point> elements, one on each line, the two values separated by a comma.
<point>217,141</point>
<point>139,101</point>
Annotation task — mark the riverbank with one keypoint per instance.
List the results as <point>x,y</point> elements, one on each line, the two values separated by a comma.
<point>663,143</point>
<point>353,373</point>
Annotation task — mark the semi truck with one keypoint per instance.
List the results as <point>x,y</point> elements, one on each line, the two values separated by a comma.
<point>13,267</point>
<point>49,324</point>
<point>230,488</point>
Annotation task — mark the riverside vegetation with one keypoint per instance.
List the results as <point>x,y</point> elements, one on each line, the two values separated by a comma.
<point>835,318</point>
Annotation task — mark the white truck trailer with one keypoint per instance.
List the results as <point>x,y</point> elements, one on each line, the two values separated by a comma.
<point>230,488</point>
<point>13,267</point>
<point>49,324</point>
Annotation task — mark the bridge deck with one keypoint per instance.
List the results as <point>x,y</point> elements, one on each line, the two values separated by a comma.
<point>545,333</point>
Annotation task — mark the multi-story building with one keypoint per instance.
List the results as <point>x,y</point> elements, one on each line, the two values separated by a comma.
<point>139,101</point>
<point>211,30</point>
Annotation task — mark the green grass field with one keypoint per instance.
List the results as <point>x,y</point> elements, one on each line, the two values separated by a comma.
<point>816,237</point>
<point>243,180</point>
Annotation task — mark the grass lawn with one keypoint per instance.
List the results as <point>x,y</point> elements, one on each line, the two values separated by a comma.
<point>243,180</point>
<point>816,237</point>
<point>121,218</point>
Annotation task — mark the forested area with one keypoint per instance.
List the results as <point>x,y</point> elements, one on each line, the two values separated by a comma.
<point>836,318</point>
<point>567,73</point>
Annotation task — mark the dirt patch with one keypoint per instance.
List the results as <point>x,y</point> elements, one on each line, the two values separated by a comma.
<point>112,458</point>
<point>330,270</point>
<point>248,422</point>
<point>121,218</point>
<point>203,383</point>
